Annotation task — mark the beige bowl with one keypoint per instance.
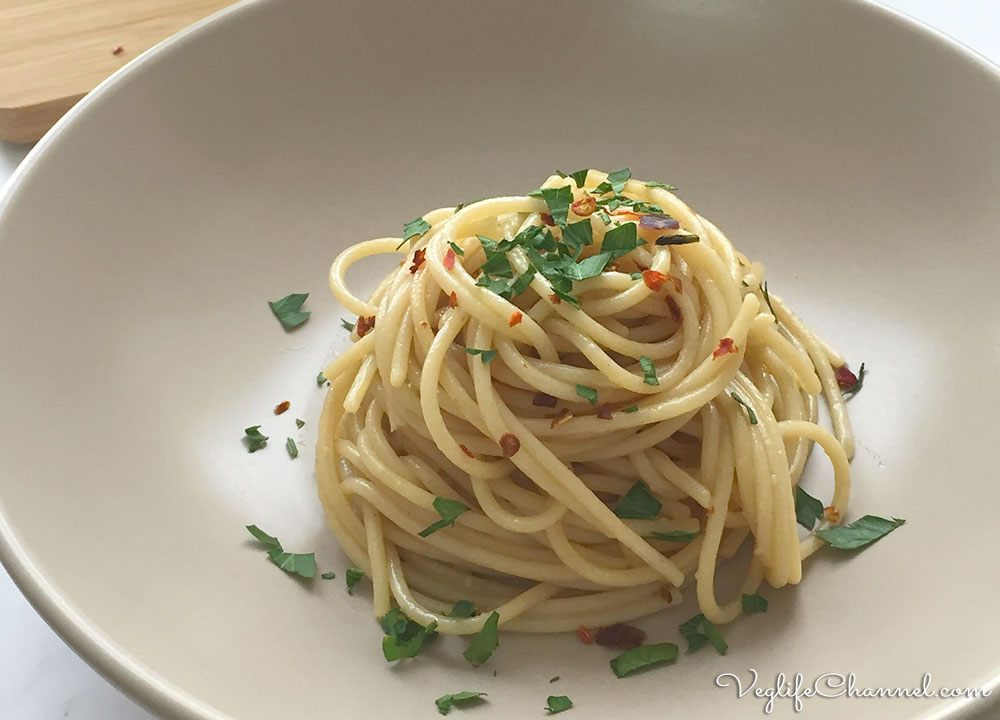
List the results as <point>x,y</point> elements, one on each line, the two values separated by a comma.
<point>853,152</point>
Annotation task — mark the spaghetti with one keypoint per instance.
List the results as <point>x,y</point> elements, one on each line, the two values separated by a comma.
<point>598,378</point>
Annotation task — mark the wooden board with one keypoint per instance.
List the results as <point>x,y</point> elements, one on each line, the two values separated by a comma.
<point>53,52</point>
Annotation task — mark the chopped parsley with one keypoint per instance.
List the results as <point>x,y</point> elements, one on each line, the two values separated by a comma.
<point>287,310</point>
<point>558,199</point>
<point>329,575</point>
<point>750,412</point>
<point>352,576</point>
<point>863,531</point>
<point>851,391</point>
<point>678,536</point>
<point>621,240</point>
<point>605,218</point>
<point>404,638</point>
<point>649,369</point>
<point>301,564</point>
<point>254,439</point>
<point>754,604</point>
<point>348,326</point>
<point>299,423</point>
<point>767,297</point>
<point>638,504</point>
<point>463,609</point>
<point>557,704</point>
<point>654,184</point>
<point>483,645</point>
<point>807,508</point>
<point>320,379</point>
<point>580,177</point>
<point>587,393</point>
<point>449,510</point>
<point>445,702</point>
<point>699,631</point>
<point>631,409</point>
<point>485,355</point>
<point>553,679</point>
<point>414,228</point>
<point>456,248</point>
<point>577,235</point>
<point>292,448</point>
<point>642,657</point>
<point>677,239</point>
<point>615,182</point>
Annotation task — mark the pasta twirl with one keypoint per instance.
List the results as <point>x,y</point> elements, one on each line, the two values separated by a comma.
<point>598,377</point>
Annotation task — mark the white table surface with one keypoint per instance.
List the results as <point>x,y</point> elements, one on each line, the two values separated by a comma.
<point>42,679</point>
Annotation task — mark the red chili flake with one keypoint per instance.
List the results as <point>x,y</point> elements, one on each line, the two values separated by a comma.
<point>726,346</point>
<point>584,207</point>
<point>281,407</point>
<point>832,514</point>
<point>653,279</point>
<point>676,281</point>
<point>666,594</point>
<point>584,634</point>
<point>467,451</point>
<point>366,323</point>
<point>675,311</point>
<point>555,299</point>
<point>515,319</point>
<point>543,400</point>
<point>509,444</point>
<point>424,324</point>
<point>418,259</point>
<point>845,378</point>
<point>547,219</point>
<point>623,637</point>
<point>449,259</point>
<point>118,50</point>
<point>564,416</point>
<point>453,300</point>
<point>604,412</point>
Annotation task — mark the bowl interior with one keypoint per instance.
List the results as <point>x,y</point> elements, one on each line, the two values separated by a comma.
<point>853,153</point>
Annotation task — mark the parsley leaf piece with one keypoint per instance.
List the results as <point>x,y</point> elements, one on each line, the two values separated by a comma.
<point>299,423</point>
<point>649,369</point>
<point>605,218</point>
<point>638,503</point>
<point>564,295</point>
<point>679,536</point>
<point>754,604</point>
<point>495,285</point>
<point>445,702</point>
<point>853,389</point>
<point>522,283</point>
<point>655,184</point>
<point>254,439</point>
<point>642,657</point>
<point>352,576</point>
<point>678,239</point>
<point>330,575</point>
<point>404,638</point>
<point>635,276</point>
<point>292,448</point>
<point>287,310</point>
<point>348,326</point>
<point>558,199</point>
<point>750,412</point>
<point>587,393</point>
<point>486,355</point>
<point>577,235</point>
<point>458,251</point>
<point>807,508</point>
<point>588,267</point>
<point>699,631</point>
<point>320,379</point>
<point>553,679</point>
<point>863,531</point>
<point>269,541</point>
<point>558,703</point>
<point>302,564</point>
<point>483,645</point>
<point>449,510</point>
<point>620,241</point>
<point>463,609</point>
<point>767,297</point>
<point>618,178</point>
<point>415,228</point>
<point>580,177</point>
<point>631,409</point>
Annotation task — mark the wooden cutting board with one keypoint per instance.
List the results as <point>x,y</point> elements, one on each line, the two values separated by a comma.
<point>53,52</point>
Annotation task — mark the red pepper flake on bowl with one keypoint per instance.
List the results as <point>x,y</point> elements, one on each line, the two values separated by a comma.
<point>282,407</point>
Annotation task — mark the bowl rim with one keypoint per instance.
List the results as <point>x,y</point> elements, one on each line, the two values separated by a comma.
<point>116,664</point>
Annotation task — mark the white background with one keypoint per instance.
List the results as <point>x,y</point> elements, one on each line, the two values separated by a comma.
<point>42,679</point>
